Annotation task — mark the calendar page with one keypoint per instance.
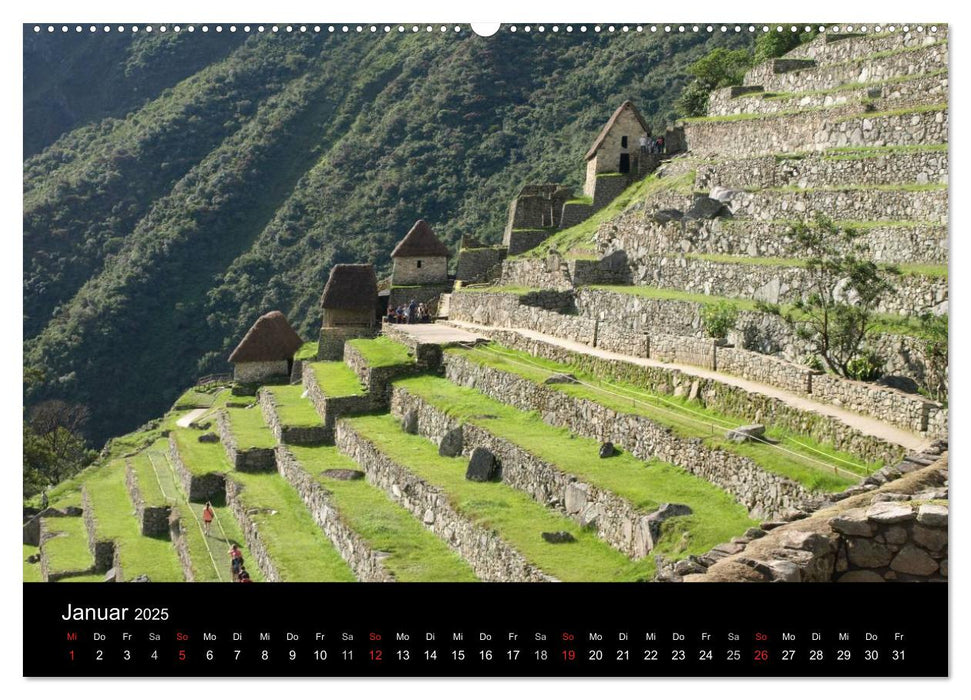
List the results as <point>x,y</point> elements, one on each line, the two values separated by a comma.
<point>527,349</point>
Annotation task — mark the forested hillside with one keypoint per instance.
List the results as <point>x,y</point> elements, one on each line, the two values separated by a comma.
<point>194,185</point>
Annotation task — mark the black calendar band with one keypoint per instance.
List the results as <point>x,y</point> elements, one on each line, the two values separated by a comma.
<point>341,630</point>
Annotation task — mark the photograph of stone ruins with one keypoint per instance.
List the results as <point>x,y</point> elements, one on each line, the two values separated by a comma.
<point>619,306</point>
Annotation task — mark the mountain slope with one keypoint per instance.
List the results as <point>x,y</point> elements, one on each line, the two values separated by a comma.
<point>152,242</point>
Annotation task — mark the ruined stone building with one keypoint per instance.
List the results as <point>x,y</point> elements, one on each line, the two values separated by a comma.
<point>615,154</point>
<point>348,305</point>
<point>420,258</point>
<point>266,351</point>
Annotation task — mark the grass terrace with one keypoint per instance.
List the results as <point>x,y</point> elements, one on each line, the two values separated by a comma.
<point>802,459</point>
<point>200,458</point>
<point>297,547</point>
<point>646,485</point>
<point>249,428</point>
<point>382,351</point>
<point>292,406</point>
<point>113,517</point>
<point>337,379</point>
<point>859,152</point>
<point>413,553</point>
<point>513,515</point>
<point>148,467</point>
<point>579,239</point>
<point>307,351</point>
<point>69,550</point>
<point>499,289</point>
<point>31,571</point>
<point>199,397</point>
<point>848,87</point>
<point>884,323</point>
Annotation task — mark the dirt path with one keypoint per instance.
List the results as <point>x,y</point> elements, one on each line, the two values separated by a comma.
<point>186,420</point>
<point>865,424</point>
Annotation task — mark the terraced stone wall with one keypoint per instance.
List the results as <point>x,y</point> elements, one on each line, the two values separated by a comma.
<point>198,488</point>
<point>764,494</point>
<point>103,551</point>
<point>722,398</point>
<point>153,520</point>
<point>257,459</point>
<point>853,204</point>
<point>503,309</point>
<point>364,561</point>
<point>330,408</point>
<point>251,532</point>
<point>477,264</point>
<point>489,556</point>
<point>288,434</point>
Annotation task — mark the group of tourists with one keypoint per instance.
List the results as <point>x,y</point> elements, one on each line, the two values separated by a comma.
<point>652,146</point>
<point>412,312</point>
<point>240,574</point>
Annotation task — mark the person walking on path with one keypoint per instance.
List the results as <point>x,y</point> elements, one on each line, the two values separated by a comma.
<point>207,516</point>
<point>235,561</point>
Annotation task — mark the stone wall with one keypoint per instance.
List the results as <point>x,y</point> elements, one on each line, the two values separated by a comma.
<point>376,379</point>
<point>330,345</point>
<point>258,372</point>
<point>181,543</point>
<point>929,54</point>
<point>814,170</point>
<point>550,272</point>
<point>251,532</point>
<point>895,95</point>
<point>477,265</point>
<point>929,206</point>
<point>777,284</point>
<point>722,398</point>
<point>47,574</point>
<point>254,459</point>
<point>330,408</point>
<point>506,310</point>
<point>815,130</point>
<point>536,206</point>
<point>428,294</point>
<point>829,48</point>
<point>490,558</point>
<point>764,368</point>
<point>363,560</point>
<point>103,551</point>
<point>616,521</point>
<point>420,270</point>
<point>153,519</point>
<point>288,434</point>
<point>908,411</point>
<point>607,187</point>
<point>677,348</point>
<point>763,493</point>
<point>521,240</point>
<point>198,488</point>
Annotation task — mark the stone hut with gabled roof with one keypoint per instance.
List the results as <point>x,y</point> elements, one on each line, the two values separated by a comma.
<point>266,351</point>
<point>420,258</point>
<point>349,305</point>
<point>616,150</point>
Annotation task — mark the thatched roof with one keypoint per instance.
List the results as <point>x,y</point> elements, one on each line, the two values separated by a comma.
<point>351,287</point>
<point>420,243</point>
<point>271,338</point>
<point>610,125</point>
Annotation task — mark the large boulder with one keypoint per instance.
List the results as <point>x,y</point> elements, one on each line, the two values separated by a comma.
<point>560,378</point>
<point>747,433</point>
<point>722,194</point>
<point>706,208</point>
<point>343,474</point>
<point>410,423</point>
<point>558,537</point>
<point>483,466</point>
<point>607,450</point>
<point>208,437</point>
<point>665,216</point>
<point>451,445</point>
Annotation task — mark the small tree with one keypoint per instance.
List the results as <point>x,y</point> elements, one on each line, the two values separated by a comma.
<point>720,68</point>
<point>718,319</point>
<point>842,291</point>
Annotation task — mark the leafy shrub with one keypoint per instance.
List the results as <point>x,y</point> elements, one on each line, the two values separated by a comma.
<point>865,368</point>
<point>718,319</point>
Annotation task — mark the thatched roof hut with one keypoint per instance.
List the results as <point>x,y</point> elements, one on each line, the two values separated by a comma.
<point>270,339</point>
<point>420,242</point>
<point>350,287</point>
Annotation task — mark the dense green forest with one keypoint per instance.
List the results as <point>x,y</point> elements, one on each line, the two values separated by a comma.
<point>175,188</point>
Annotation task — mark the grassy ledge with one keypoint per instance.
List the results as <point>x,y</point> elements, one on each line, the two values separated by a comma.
<point>307,351</point>
<point>292,407</point>
<point>914,269</point>
<point>804,460</point>
<point>297,547</point>
<point>336,379</point>
<point>249,428</point>
<point>382,351</point>
<point>200,458</point>
<point>68,551</point>
<point>511,514</point>
<point>413,553</point>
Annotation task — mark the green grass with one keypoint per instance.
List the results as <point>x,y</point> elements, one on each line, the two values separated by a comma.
<point>200,458</point>
<point>499,289</point>
<point>337,379</point>
<point>513,515</point>
<point>69,550</point>
<point>413,553</point>
<point>199,397</point>
<point>645,484</point>
<point>846,87</point>
<point>688,420</point>
<point>920,269</point>
<point>920,109</point>
<point>858,152</point>
<point>115,520</point>
<point>913,187</point>
<point>297,547</point>
<point>84,578</point>
<point>382,351</point>
<point>582,199</point>
<point>579,238</point>
<point>249,428</point>
<point>883,323</point>
<point>31,571</point>
<point>749,116</point>
<point>292,407</point>
<point>148,475</point>
<point>307,351</point>
<point>208,554</point>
